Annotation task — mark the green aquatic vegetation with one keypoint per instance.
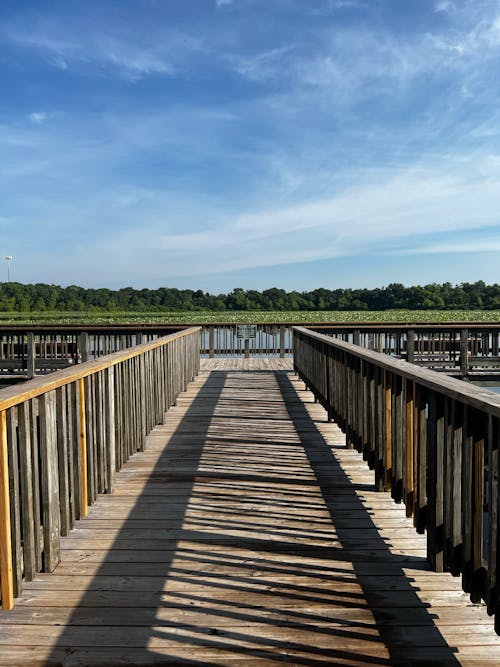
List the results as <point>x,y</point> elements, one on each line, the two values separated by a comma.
<point>236,317</point>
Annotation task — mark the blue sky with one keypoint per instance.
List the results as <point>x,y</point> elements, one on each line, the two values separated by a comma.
<point>215,144</point>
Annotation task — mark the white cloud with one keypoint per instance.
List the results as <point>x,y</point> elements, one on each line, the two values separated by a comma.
<point>39,117</point>
<point>491,244</point>
<point>445,6</point>
<point>128,54</point>
<point>412,207</point>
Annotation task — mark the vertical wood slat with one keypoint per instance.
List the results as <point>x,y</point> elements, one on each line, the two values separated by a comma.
<point>420,515</point>
<point>397,438</point>
<point>100,440</point>
<point>6,564</point>
<point>109,385</point>
<point>477,513</point>
<point>37,503</point>
<point>492,446</point>
<point>435,454</point>
<point>50,481</point>
<point>71,440</point>
<point>26,470</point>
<point>15,501</point>
<point>456,484</point>
<point>388,431</point>
<point>62,447</point>
<point>409,491</point>
<point>83,449</point>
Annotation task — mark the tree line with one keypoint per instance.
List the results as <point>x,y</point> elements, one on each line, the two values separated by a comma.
<point>17,297</point>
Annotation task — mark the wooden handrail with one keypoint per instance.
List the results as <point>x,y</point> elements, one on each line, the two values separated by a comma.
<point>432,441</point>
<point>63,436</point>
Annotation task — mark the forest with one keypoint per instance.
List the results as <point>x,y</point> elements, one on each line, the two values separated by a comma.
<point>18,297</point>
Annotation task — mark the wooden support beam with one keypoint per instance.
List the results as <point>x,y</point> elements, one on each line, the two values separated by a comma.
<point>30,355</point>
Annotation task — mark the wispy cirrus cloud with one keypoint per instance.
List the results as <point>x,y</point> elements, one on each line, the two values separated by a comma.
<point>125,53</point>
<point>408,212</point>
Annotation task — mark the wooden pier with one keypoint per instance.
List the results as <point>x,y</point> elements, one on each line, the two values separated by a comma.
<point>245,533</point>
<point>227,520</point>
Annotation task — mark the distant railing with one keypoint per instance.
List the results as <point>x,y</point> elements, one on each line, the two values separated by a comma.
<point>246,340</point>
<point>63,436</point>
<point>461,350</point>
<point>432,441</point>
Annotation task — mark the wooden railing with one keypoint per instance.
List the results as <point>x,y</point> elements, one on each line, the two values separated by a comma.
<point>462,350</point>
<point>63,436</point>
<point>225,340</point>
<point>433,442</point>
<point>28,351</point>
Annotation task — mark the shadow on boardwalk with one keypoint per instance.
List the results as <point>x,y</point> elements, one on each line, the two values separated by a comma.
<point>228,556</point>
<point>405,624</point>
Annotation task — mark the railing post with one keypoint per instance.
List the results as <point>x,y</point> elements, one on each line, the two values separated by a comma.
<point>464,352</point>
<point>410,346</point>
<point>30,355</point>
<point>356,337</point>
<point>247,348</point>
<point>6,571</point>
<point>83,347</point>
<point>211,338</point>
<point>282,341</point>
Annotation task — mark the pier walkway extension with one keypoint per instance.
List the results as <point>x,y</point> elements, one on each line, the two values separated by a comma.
<point>245,534</point>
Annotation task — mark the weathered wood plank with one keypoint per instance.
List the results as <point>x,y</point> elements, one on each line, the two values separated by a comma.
<point>30,535</point>
<point>6,562</point>
<point>49,481</point>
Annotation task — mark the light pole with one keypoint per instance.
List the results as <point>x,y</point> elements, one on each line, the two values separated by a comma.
<point>9,260</point>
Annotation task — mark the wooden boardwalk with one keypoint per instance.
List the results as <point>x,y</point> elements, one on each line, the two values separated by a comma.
<point>245,534</point>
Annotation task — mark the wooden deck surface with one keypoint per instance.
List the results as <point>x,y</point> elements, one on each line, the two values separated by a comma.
<point>245,534</point>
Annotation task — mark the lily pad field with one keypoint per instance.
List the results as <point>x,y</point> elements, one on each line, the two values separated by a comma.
<point>257,317</point>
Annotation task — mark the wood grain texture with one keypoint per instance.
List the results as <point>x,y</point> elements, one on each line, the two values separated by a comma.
<point>246,533</point>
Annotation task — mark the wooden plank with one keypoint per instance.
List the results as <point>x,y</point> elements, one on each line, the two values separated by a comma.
<point>49,481</point>
<point>62,457</point>
<point>6,562</point>
<point>30,532</point>
<point>83,448</point>
<point>110,428</point>
<point>15,500</point>
<point>37,501</point>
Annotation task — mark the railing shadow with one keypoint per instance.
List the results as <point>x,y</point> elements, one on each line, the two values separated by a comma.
<point>128,606</point>
<point>405,647</point>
